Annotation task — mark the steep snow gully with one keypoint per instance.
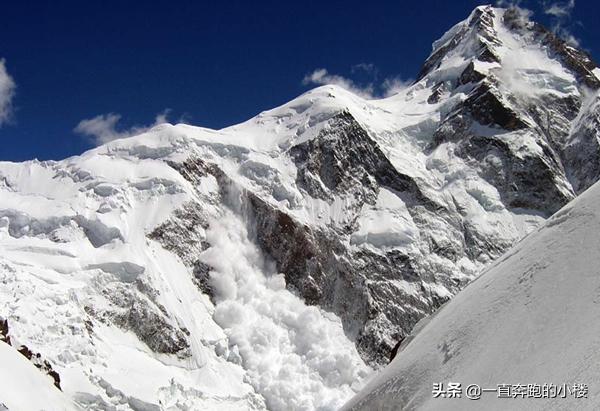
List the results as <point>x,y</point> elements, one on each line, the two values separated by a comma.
<point>275,264</point>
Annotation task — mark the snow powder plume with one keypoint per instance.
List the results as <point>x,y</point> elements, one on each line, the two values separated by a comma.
<point>297,356</point>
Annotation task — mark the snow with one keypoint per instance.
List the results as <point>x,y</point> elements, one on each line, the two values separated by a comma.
<point>296,356</point>
<point>530,318</point>
<point>74,233</point>
<point>387,224</point>
<point>59,257</point>
<point>24,387</point>
<point>448,35</point>
<point>528,70</point>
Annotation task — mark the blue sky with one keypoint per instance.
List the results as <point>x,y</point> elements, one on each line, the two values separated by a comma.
<point>122,64</point>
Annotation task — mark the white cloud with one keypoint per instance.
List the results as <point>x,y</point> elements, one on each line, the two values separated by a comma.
<point>322,77</point>
<point>103,128</point>
<point>371,90</point>
<point>7,92</point>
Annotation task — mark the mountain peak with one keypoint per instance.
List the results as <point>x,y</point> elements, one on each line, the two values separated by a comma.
<point>497,35</point>
<point>469,38</point>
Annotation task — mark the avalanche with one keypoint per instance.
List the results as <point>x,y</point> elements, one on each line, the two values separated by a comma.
<point>119,316</point>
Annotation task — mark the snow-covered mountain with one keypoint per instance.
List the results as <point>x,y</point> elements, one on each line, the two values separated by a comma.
<point>530,319</point>
<point>276,263</point>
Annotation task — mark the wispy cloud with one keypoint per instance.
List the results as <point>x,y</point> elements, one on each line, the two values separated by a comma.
<point>7,92</point>
<point>508,3</point>
<point>560,10</point>
<point>561,13</point>
<point>103,128</point>
<point>369,90</point>
<point>368,68</point>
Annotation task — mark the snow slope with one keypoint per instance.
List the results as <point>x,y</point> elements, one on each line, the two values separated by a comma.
<point>531,318</point>
<point>25,388</point>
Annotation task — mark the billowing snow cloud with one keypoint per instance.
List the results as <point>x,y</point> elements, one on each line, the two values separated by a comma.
<point>7,92</point>
<point>394,85</point>
<point>524,14</point>
<point>103,128</point>
<point>371,90</point>
<point>559,11</point>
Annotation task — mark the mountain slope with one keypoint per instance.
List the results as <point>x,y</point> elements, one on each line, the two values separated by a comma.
<point>531,318</point>
<point>19,379</point>
<point>276,263</point>
<point>121,318</point>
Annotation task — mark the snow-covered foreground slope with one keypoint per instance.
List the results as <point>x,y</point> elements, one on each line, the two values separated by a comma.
<point>275,263</point>
<point>531,318</point>
<point>25,388</point>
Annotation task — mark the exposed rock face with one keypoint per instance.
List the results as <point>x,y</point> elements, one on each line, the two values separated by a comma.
<point>552,273</point>
<point>347,161</point>
<point>4,337</point>
<point>489,130</point>
<point>42,364</point>
<point>582,150</point>
<point>184,233</point>
<point>151,327</point>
